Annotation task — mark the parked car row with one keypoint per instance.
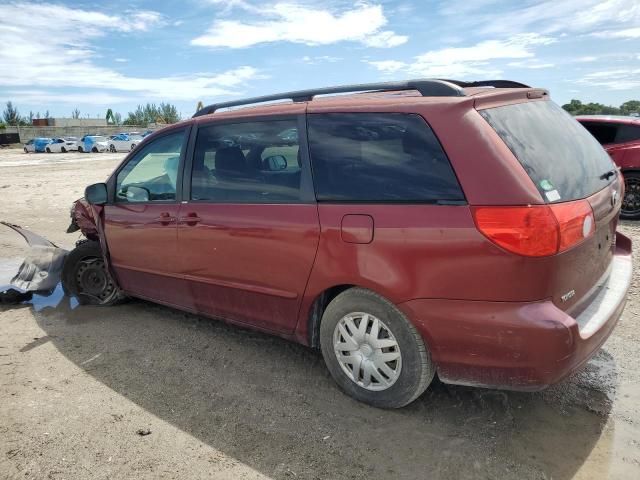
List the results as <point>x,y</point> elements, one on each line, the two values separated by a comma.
<point>122,142</point>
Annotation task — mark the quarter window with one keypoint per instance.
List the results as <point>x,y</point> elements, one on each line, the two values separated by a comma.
<point>605,133</point>
<point>628,133</point>
<point>249,162</point>
<point>373,157</point>
<point>153,171</point>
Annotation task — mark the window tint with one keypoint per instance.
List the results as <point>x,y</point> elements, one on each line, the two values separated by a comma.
<point>562,159</point>
<point>252,162</point>
<point>628,133</point>
<point>605,133</point>
<point>154,169</point>
<point>374,157</point>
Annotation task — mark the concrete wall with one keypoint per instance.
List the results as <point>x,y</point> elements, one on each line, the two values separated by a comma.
<point>27,133</point>
<point>77,122</point>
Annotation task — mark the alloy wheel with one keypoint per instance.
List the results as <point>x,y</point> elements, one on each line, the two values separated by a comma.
<point>631,200</point>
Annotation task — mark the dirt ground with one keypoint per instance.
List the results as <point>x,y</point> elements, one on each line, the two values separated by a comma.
<point>78,386</point>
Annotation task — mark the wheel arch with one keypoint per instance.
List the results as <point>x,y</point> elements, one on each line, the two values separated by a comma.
<point>316,310</point>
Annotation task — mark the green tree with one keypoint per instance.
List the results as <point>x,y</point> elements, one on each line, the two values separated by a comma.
<point>151,113</point>
<point>11,115</point>
<point>632,106</point>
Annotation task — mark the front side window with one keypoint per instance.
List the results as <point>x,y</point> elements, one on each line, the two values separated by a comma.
<point>152,174</point>
<point>379,157</point>
<point>249,162</point>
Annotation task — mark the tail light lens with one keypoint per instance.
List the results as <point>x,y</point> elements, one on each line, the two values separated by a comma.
<point>536,230</point>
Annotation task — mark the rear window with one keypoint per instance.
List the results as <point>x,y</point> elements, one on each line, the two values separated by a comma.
<point>378,157</point>
<point>564,161</point>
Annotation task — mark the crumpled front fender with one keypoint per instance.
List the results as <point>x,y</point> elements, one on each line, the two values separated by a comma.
<point>39,272</point>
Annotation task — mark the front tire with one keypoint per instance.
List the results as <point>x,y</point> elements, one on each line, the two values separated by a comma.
<point>85,276</point>
<point>94,150</point>
<point>63,150</point>
<point>133,146</point>
<point>25,150</point>
<point>80,150</point>
<point>631,201</point>
<point>48,150</point>
<point>372,350</point>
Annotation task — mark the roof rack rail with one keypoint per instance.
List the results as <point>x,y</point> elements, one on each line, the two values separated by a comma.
<point>426,87</point>
<point>489,83</point>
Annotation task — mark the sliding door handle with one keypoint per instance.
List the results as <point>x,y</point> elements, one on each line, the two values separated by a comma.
<point>165,218</point>
<point>191,219</point>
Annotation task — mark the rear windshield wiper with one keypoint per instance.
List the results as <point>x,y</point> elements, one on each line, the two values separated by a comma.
<point>607,175</point>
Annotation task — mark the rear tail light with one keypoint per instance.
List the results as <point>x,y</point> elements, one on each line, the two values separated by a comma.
<point>536,230</point>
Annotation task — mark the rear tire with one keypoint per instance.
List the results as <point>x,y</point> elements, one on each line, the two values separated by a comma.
<point>85,276</point>
<point>80,150</point>
<point>63,150</point>
<point>94,150</point>
<point>393,365</point>
<point>133,145</point>
<point>631,201</point>
<point>112,148</point>
<point>25,150</point>
<point>48,150</point>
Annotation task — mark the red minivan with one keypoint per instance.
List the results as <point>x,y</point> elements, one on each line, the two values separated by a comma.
<point>620,137</point>
<point>421,227</point>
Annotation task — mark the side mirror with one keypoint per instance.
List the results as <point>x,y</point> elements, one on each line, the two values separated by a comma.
<point>275,163</point>
<point>137,194</point>
<point>96,194</point>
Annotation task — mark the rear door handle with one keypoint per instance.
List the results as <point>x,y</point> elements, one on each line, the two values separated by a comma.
<point>165,218</point>
<point>191,219</point>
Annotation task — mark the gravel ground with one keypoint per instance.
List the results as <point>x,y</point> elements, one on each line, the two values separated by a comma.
<point>142,391</point>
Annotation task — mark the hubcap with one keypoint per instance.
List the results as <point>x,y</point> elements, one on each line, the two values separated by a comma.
<point>367,351</point>
<point>631,200</point>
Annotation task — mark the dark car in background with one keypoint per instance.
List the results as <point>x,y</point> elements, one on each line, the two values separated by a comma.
<point>620,137</point>
<point>423,227</point>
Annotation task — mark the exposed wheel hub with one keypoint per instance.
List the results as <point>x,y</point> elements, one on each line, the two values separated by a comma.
<point>93,280</point>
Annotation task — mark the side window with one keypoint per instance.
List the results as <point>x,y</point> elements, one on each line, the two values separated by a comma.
<point>603,132</point>
<point>373,157</point>
<point>628,133</point>
<point>152,174</point>
<point>250,162</point>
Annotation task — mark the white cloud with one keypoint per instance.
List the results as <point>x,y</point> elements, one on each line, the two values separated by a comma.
<point>320,59</point>
<point>462,62</point>
<point>618,79</point>
<point>534,65</point>
<point>625,33</point>
<point>65,57</point>
<point>121,60</point>
<point>301,24</point>
<point>554,16</point>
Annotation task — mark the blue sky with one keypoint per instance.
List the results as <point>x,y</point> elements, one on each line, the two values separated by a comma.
<point>57,56</point>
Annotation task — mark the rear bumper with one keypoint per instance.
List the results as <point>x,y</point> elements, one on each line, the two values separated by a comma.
<point>521,346</point>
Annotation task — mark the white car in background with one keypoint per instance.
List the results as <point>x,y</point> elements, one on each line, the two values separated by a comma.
<point>63,145</point>
<point>124,142</point>
<point>93,143</point>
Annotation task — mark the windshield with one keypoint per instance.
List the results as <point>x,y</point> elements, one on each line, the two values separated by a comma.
<point>560,156</point>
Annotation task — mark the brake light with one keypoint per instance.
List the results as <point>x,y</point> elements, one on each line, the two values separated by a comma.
<point>536,230</point>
